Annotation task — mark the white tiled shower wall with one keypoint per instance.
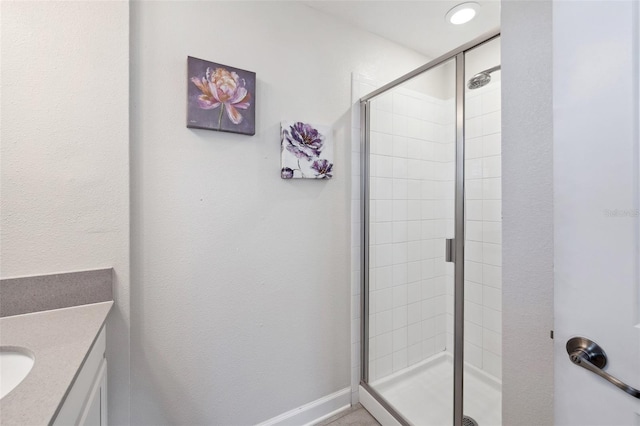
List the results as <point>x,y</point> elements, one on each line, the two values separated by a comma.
<point>412,155</point>
<point>411,195</point>
<point>483,267</point>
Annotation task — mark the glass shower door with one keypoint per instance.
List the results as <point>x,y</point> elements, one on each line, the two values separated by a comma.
<point>409,286</point>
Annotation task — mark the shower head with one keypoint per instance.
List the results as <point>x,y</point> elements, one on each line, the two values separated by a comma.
<point>479,80</point>
<point>482,78</point>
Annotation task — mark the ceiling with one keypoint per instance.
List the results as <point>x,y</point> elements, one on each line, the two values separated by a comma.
<point>419,24</point>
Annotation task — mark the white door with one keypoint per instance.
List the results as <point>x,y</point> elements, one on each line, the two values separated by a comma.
<point>596,186</point>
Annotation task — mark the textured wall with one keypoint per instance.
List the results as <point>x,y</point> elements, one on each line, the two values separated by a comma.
<point>65,153</point>
<point>527,192</point>
<point>241,303</point>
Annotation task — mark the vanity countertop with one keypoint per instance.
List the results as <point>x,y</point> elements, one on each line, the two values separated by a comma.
<point>60,340</point>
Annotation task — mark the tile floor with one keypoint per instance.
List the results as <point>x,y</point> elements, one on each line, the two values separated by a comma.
<point>354,416</point>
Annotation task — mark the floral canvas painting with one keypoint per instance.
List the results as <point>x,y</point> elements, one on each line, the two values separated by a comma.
<point>307,151</point>
<point>220,97</point>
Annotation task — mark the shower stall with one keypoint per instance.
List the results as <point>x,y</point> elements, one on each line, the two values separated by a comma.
<point>431,242</point>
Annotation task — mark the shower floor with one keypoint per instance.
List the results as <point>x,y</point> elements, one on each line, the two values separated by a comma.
<point>423,393</point>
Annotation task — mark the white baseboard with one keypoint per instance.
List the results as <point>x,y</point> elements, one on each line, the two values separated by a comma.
<point>313,412</point>
<point>376,409</point>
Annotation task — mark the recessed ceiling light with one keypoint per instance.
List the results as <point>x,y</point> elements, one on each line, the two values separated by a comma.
<point>462,13</point>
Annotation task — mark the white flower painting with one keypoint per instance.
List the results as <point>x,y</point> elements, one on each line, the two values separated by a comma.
<point>307,151</point>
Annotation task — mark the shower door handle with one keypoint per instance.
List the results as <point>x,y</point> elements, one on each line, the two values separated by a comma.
<point>449,250</point>
<point>589,355</point>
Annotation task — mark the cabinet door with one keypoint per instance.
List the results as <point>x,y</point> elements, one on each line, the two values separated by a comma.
<point>95,413</point>
<point>80,400</point>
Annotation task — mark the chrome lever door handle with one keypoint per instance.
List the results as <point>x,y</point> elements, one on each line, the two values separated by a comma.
<point>589,355</point>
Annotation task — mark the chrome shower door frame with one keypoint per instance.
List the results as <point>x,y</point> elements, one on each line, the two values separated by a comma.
<point>365,116</point>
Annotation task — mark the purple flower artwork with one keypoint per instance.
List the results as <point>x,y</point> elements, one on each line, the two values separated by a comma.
<point>220,97</point>
<point>307,151</point>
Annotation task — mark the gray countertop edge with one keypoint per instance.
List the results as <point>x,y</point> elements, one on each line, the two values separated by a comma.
<point>60,340</point>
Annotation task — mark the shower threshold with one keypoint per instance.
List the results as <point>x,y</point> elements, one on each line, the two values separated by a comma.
<point>423,393</point>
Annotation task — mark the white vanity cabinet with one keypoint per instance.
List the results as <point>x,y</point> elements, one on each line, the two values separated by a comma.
<point>86,402</point>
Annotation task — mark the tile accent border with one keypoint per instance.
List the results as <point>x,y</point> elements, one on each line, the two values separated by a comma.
<point>45,292</point>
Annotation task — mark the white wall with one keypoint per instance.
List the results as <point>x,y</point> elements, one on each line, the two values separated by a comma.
<point>65,153</point>
<point>241,306</point>
<point>527,192</point>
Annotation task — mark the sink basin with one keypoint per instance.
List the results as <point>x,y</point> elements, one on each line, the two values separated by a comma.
<point>15,364</point>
